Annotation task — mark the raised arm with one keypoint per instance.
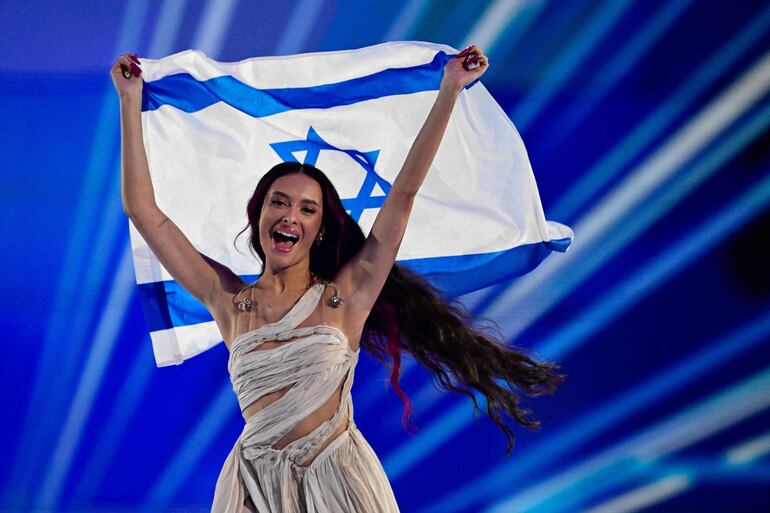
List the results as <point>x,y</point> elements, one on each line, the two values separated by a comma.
<point>364,275</point>
<point>204,278</point>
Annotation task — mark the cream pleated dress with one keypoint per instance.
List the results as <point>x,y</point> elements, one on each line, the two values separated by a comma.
<point>318,472</point>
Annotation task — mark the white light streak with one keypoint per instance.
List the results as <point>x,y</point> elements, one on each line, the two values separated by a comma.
<point>535,293</point>
<point>403,27</point>
<point>299,27</point>
<point>103,343</point>
<point>645,496</point>
<point>213,26</point>
<point>497,16</point>
<point>694,424</point>
<point>749,451</point>
<point>79,261</point>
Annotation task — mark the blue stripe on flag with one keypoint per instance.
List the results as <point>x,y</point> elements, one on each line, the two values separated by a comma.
<point>168,305</point>
<point>461,274</point>
<point>188,94</point>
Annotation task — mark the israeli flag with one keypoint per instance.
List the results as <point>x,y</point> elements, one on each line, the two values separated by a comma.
<point>212,129</point>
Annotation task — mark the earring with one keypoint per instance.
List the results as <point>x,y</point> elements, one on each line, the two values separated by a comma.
<point>319,239</point>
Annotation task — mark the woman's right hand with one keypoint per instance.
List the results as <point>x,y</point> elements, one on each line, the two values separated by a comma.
<point>127,87</point>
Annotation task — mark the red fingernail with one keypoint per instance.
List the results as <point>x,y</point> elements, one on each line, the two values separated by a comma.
<point>135,69</point>
<point>465,52</point>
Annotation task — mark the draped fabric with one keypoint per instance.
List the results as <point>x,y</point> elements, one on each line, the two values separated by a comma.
<point>317,472</point>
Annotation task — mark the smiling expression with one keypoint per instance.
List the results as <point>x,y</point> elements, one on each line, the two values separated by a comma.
<point>290,219</point>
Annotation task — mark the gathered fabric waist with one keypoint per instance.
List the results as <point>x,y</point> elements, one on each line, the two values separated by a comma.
<point>255,445</point>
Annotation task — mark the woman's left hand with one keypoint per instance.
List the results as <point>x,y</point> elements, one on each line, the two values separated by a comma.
<point>463,69</point>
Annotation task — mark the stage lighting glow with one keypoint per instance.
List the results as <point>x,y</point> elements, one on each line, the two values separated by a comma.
<point>578,49</point>
<point>504,299</point>
<point>607,77</point>
<point>105,336</point>
<point>537,292</point>
<point>109,440</point>
<point>491,24</point>
<point>621,297</point>
<point>301,22</point>
<point>749,451</point>
<point>31,451</point>
<point>604,417</point>
<point>192,448</point>
<point>126,401</point>
<point>407,20</point>
<point>681,430</point>
<point>213,26</point>
<point>645,496</point>
<point>600,174</point>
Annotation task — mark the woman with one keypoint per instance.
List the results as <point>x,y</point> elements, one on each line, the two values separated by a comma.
<point>325,290</point>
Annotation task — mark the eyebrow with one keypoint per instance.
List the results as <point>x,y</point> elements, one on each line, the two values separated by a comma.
<point>306,200</point>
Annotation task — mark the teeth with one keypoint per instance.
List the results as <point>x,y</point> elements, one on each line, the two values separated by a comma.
<point>288,235</point>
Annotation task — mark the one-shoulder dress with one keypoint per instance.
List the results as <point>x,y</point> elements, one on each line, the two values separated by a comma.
<point>344,473</point>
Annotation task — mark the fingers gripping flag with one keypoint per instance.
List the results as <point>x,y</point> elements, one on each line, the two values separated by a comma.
<point>212,129</point>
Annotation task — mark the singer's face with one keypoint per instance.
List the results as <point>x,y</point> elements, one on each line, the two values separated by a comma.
<point>290,219</point>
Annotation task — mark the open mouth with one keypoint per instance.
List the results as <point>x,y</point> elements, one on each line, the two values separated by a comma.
<point>284,240</point>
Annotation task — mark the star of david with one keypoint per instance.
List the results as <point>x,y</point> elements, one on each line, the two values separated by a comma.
<point>314,144</point>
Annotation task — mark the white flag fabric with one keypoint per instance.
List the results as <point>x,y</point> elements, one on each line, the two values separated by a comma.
<point>212,129</point>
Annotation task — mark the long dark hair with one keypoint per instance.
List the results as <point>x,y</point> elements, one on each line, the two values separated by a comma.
<point>410,315</point>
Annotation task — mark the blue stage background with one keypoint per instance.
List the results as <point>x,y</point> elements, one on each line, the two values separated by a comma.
<point>647,127</point>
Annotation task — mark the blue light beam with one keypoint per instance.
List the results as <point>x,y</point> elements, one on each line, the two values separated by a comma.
<point>714,230</point>
<point>31,453</point>
<point>577,50</point>
<point>660,119</point>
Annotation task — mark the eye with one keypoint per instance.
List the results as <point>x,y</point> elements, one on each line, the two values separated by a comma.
<point>277,202</point>
<point>308,210</point>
